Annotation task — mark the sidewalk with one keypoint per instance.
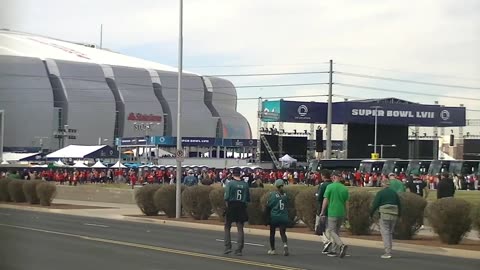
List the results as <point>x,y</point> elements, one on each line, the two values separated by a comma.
<point>126,212</point>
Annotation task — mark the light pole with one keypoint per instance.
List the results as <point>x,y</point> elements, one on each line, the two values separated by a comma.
<point>376,128</point>
<point>382,146</point>
<point>178,194</point>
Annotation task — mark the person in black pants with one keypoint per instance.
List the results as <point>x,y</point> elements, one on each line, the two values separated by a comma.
<point>445,188</point>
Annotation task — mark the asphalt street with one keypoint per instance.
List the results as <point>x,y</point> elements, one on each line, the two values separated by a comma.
<point>33,240</point>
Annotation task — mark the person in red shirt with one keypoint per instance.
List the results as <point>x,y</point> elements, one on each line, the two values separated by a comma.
<point>301,177</point>
<point>133,179</point>
<point>150,178</point>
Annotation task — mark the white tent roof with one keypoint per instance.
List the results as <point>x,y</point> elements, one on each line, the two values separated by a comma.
<point>10,156</point>
<point>75,151</point>
<point>79,164</point>
<point>118,165</point>
<point>287,158</point>
<point>98,165</point>
<point>59,163</point>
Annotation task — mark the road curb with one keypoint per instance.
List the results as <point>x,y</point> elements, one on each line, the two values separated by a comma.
<point>442,251</point>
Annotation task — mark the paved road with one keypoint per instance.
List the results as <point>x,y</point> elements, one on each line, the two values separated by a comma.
<point>33,240</point>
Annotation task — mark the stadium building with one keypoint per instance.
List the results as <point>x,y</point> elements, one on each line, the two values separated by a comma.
<point>56,93</point>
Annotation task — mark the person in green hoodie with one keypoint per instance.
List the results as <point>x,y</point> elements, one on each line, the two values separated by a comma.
<point>388,204</point>
<point>396,184</point>
<point>277,208</point>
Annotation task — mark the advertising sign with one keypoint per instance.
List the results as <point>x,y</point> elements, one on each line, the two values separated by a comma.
<point>399,114</point>
<point>303,112</point>
<point>271,111</point>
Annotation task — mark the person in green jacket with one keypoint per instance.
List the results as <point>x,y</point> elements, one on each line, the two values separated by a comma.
<point>388,204</point>
<point>277,207</point>
<point>396,184</point>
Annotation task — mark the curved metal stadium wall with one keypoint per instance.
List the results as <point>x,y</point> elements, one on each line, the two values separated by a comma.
<point>47,83</point>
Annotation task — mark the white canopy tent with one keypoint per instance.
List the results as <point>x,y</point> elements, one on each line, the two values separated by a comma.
<point>75,151</point>
<point>79,164</point>
<point>59,163</point>
<point>98,165</point>
<point>118,165</point>
<point>287,160</point>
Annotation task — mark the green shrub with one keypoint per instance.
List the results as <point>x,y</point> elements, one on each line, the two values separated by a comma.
<point>4,195</point>
<point>256,214</point>
<point>165,199</point>
<point>411,217</point>
<point>30,191</point>
<point>476,217</point>
<point>450,218</point>
<point>46,192</point>
<point>144,199</point>
<point>359,212</point>
<point>196,202</point>
<point>15,190</point>
<point>306,205</point>
<point>218,203</point>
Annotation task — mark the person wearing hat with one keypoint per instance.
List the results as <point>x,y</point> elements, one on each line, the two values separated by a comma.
<point>417,185</point>
<point>387,202</point>
<point>277,204</point>
<point>190,179</point>
<point>395,184</point>
<point>236,197</point>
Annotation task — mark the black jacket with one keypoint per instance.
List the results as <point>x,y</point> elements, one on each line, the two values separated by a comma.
<point>445,188</point>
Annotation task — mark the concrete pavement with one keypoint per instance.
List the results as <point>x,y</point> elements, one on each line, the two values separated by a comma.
<point>125,212</point>
<point>37,240</point>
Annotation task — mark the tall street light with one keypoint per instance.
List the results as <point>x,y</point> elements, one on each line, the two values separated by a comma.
<point>178,194</point>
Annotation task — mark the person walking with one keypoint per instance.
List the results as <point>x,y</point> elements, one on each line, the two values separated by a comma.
<point>334,205</point>
<point>446,187</point>
<point>417,185</point>
<point>387,202</point>
<point>319,224</point>
<point>277,207</point>
<point>236,197</point>
<point>395,184</point>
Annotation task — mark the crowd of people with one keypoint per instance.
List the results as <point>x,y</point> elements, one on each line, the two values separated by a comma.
<point>254,178</point>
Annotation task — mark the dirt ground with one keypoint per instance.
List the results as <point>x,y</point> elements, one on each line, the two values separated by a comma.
<point>433,241</point>
<point>58,206</point>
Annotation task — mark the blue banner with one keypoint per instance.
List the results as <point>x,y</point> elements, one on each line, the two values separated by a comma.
<point>303,112</point>
<point>202,141</point>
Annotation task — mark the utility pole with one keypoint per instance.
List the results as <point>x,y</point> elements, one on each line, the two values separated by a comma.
<point>329,113</point>
<point>2,131</point>
<point>178,209</point>
<point>101,36</point>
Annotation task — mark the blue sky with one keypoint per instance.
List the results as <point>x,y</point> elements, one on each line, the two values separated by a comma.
<point>427,40</point>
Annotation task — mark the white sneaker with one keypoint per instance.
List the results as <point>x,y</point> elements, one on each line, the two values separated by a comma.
<point>386,256</point>
<point>272,252</point>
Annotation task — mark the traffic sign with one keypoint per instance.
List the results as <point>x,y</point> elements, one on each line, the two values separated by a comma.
<point>180,155</point>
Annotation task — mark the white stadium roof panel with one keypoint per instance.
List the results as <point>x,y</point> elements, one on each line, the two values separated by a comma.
<point>28,45</point>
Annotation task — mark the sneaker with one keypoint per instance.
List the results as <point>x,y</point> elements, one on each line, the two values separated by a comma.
<point>386,256</point>
<point>238,253</point>
<point>343,250</point>
<point>326,247</point>
<point>227,251</point>
<point>285,250</point>
<point>332,254</point>
<point>272,252</point>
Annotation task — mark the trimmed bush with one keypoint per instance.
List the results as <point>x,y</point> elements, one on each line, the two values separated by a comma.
<point>46,192</point>
<point>359,212</point>
<point>144,199</point>
<point>256,214</point>
<point>15,190</point>
<point>411,217</point>
<point>476,217</point>
<point>165,199</point>
<point>306,205</point>
<point>450,218</point>
<point>217,202</point>
<point>4,195</point>
<point>30,191</point>
<point>196,202</point>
